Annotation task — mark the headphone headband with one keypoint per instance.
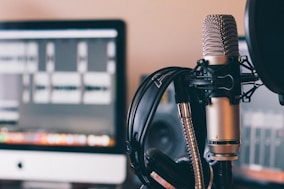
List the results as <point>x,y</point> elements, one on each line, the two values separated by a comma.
<point>142,111</point>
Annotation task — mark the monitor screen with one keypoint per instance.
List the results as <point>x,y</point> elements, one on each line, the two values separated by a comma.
<point>62,101</point>
<point>262,136</point>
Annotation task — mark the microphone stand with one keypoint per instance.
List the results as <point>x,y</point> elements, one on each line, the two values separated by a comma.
<point>223,177</point>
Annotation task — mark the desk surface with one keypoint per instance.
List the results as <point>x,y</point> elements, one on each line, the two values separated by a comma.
<point>242,184</point>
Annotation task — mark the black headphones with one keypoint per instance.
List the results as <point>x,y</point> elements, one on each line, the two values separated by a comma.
<point>155,169</point>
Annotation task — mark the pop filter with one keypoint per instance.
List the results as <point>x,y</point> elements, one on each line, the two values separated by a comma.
<point>264,27</point>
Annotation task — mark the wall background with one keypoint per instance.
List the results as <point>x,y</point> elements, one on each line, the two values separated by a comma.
<point>160,33</point>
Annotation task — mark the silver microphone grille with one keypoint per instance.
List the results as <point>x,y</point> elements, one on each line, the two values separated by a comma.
<point>220,36</point>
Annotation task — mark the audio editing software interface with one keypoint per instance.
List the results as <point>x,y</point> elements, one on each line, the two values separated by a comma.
<point>57,87</point>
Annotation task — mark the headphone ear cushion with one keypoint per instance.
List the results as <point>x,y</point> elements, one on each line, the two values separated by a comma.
<point>174,173</point>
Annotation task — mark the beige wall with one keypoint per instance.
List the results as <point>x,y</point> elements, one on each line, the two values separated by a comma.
<point>160,32</point>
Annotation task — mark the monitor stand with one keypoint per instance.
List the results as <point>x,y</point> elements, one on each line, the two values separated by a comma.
<point>45,185</point>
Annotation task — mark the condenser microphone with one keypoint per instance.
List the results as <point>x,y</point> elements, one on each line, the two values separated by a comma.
<point>221,52</point>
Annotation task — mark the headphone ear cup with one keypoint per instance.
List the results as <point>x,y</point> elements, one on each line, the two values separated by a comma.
<point>162,168</point>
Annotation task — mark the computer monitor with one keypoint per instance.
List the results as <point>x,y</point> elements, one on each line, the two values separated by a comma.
<point>262,136</point>
<point>63,101</point>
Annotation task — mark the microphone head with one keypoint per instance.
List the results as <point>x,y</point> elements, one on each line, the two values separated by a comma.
<point>220,36</point>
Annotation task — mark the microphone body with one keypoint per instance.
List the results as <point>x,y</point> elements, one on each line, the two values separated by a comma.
<point>220,51</point>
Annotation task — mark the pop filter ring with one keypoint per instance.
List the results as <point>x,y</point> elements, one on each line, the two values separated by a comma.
<point>268,67</point>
